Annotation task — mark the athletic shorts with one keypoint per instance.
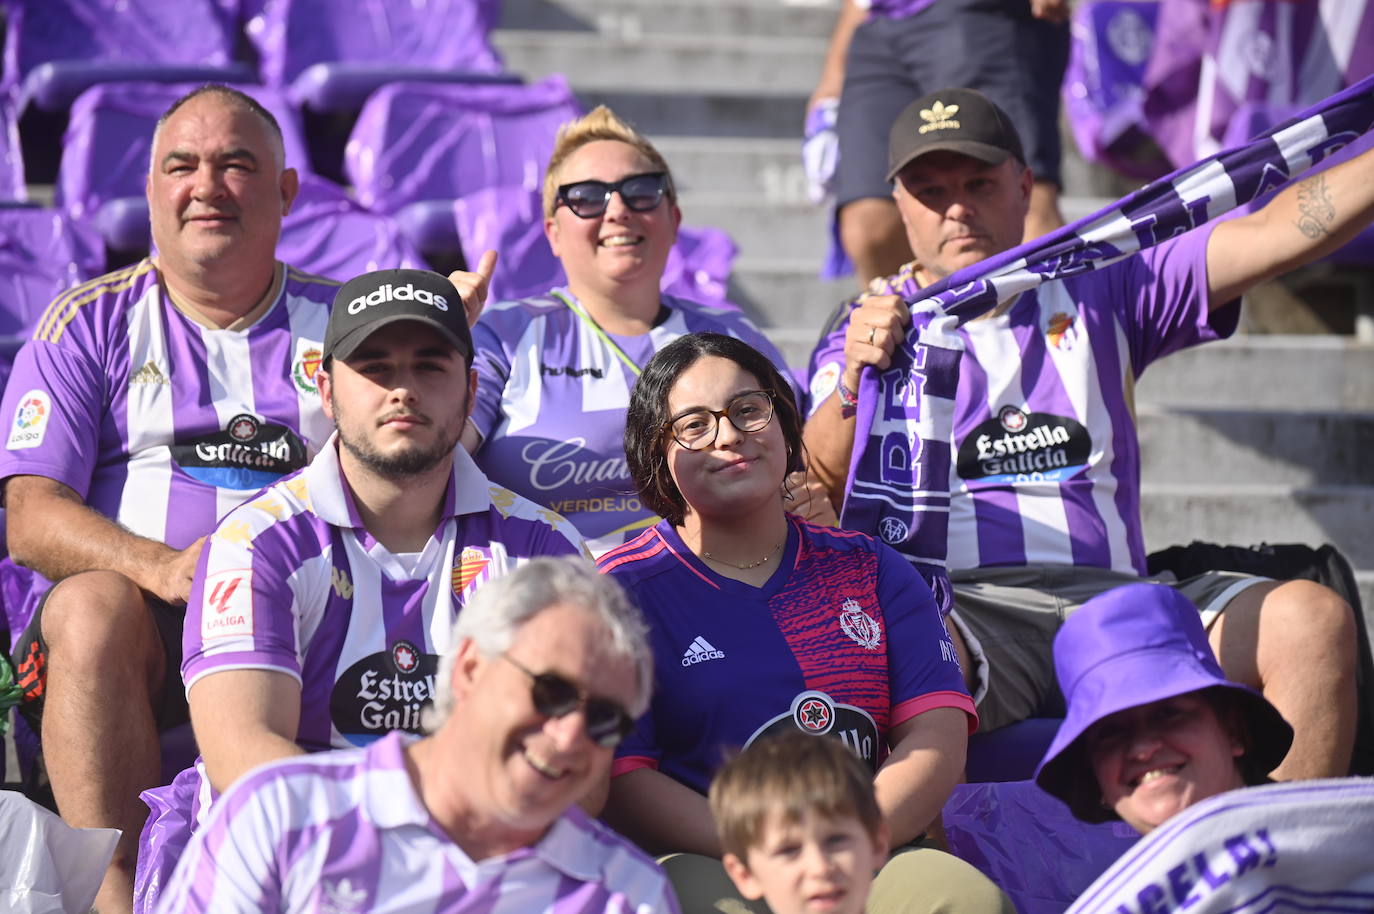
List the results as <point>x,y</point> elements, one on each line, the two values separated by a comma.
<point>1009,616</point>
<point>30,655</point>
<point>994,46</point>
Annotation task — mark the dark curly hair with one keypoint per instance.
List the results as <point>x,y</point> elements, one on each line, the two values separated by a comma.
<point>647,418</point>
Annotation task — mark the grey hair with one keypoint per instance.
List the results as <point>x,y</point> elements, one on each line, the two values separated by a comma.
<point>501,606</point>
<point>234,98</point>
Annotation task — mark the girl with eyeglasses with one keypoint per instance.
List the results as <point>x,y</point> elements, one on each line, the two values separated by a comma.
<point>555,371</point>
<point>762,623</point>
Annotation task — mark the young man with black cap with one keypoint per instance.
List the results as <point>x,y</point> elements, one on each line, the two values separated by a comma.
<point>1045,460</point>
<point>320,608</point>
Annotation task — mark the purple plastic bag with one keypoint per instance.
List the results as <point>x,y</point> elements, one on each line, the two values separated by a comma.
<point>291,35</point>
<point>426,141</point>
<point>1029,843</point>
<point>164,837</point>
<point>328,234</point>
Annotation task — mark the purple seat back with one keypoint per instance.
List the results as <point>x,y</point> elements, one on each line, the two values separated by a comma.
<point>699,266</point>
<point>110,134</point>
<point>149,31</point>
<point>42,254</point>
<point>1029,843</point>
<point>424,141</point>
<point>1104,85</point>
<point>291,35</point>
<point>11,155</point>
<point>328,234</point>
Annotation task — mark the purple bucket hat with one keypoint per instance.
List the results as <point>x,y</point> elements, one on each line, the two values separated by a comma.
<point>1132,646</point>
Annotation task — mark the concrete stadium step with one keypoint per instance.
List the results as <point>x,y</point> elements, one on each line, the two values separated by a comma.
<point>743,65</point>
<point>787,294</point>
<point>1245,514</point>
<point>1265,372</point>
<point>633,18</point>
<point>762,228</point>
<point>755,166</point>
<point>1219,447</point>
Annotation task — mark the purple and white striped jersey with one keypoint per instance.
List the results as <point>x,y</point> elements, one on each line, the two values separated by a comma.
<point>158,422</point>
<point>347,832</point>
<point>551,401</point>
<point>1297,846</point>
<point>1045,461</point>
<point>293,582</point>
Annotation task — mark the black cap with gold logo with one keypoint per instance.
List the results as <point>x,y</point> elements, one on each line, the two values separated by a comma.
<point>957,120</point>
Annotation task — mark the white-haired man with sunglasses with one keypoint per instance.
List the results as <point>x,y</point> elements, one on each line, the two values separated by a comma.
<point>319,609</point>
<point>546,671</point>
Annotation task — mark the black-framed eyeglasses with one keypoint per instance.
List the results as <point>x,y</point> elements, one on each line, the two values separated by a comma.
<point>750,411</point>
<point>588,199</point>
<point>553,696</point>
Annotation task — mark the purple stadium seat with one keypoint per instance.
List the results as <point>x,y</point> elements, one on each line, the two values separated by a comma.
<point>418,142</point>
<point>106,149</point>
<point>1029,843</point>
<point>508,220</point>
<point>328,234</point>
<point>334,53</point>
<point>11,156</point>
<point>55,49</point>
<point>699,266</point>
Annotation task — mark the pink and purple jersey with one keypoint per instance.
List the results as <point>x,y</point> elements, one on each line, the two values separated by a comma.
<point>844,639</point>
<point>156,421</point>
<point>348,832</point>
<point>293,582</point>
<point>1045,461</point>
<point>551,401</point>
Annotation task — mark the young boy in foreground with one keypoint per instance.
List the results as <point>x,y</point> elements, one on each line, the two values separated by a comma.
<point>799,825</point>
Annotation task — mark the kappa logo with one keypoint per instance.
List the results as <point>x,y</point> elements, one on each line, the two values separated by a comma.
<point>150,373</point>
<point>700,651</point>
<point>343,587</point>
<point>939,116</point>
<point>388,292</point>
<point>30,421</point>
<point>860,626</point>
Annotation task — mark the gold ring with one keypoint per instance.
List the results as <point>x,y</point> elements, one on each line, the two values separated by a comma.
<point>871,332</point>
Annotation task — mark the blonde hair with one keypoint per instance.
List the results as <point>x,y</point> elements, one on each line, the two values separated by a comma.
<point>600,123</point>
<point>790,775</point>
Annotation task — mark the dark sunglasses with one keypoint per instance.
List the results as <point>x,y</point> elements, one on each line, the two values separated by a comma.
<point>588,199</point>
<point>553,696</point>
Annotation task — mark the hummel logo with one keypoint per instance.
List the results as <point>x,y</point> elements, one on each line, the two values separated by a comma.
<point>701,651</point>
<point>148,374</point>
<point>939,116</point>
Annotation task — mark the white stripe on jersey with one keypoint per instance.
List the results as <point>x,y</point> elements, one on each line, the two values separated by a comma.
<point>307,321</point>
<point>143,503</point>
<point>523,392</point>
<point>610,391</point>
<point>230,368</point>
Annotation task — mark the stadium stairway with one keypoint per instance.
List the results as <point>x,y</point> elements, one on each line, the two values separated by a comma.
<point>1259,439</point>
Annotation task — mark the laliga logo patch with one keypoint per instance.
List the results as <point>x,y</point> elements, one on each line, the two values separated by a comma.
<point>860,626</point>
<point>388,292</point>
<point>824,381</point>
<point>226,609</point>
<point>30,421</point>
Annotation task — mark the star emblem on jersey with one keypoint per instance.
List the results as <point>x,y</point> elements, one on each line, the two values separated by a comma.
<point>700,651</point>
<point>405,656</point>
<point>243,427</point>
<point>939,116</point>
<point>860,626</point>
<point>1012,419</point>
<point>813,712</point>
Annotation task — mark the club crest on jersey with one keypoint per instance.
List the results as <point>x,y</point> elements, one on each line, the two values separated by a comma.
<point>306,366</point>
<point>471,563</point>
<point>30,420</point>
<point>1060,330</point>
<point>860,626</point>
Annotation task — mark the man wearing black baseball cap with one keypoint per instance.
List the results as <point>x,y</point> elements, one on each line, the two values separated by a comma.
<point>320,608</point>
<point>1045,494</point>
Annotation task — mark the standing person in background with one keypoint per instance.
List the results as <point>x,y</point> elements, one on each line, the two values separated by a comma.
<point>884,53</point>
<point>555,372</point>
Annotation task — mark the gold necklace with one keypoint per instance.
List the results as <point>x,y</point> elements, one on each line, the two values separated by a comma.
<point>747,565</point>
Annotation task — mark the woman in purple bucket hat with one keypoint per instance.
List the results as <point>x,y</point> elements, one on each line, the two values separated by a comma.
<point>1157,736</point>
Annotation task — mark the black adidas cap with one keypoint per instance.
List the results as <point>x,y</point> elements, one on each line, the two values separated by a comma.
<point>958,120</point>
<point>367,303</point>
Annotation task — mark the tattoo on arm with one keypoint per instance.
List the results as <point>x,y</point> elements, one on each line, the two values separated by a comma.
<point>1315,209</point>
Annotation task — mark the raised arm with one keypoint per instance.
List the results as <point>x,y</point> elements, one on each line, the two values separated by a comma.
<point>1306,221</point>
<point>871,334</point>
<point>54,532</point>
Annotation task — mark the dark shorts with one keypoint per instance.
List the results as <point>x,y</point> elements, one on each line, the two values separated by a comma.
<point>30,655</point>
<point>994,46</point>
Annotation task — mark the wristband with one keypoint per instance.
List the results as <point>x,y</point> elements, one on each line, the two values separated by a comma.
<point>849,399</point>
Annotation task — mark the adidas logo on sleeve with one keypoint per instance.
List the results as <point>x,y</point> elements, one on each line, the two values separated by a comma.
<point>700,651</point>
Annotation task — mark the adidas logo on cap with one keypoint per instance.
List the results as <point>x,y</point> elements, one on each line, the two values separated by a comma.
<point>701,651</point>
